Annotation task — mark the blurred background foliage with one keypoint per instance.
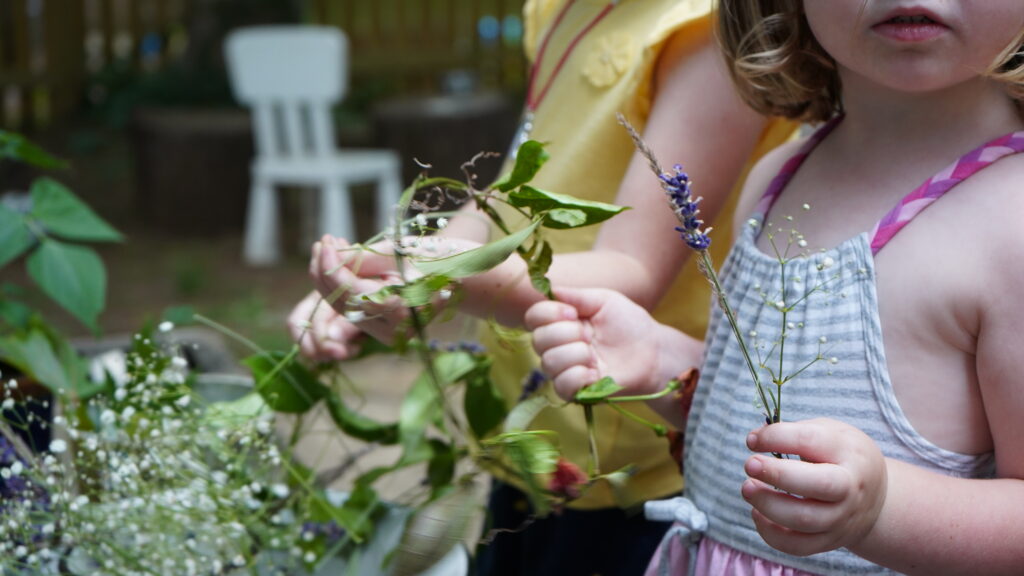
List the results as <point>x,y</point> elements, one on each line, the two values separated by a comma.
<point>133,94</point>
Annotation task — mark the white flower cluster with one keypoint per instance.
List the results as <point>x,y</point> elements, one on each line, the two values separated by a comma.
<point>143,480</point>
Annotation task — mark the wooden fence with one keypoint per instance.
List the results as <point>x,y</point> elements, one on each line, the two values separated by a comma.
<point>50,49</point>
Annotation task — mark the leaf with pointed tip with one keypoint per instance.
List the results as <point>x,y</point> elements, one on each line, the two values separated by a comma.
<point>73,276</point>
<point>17,147</point>
<point>15,235</point>
<point>287,387</point>
<point>477,260</point>
<point>64,215</point>
<point>539,201</point>
<point>529,158</point>
<point>598,391</point>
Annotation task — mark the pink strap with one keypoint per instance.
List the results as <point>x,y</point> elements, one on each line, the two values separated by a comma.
<point>933,189</point>
<point>912,204</point>
<point>792,165</point>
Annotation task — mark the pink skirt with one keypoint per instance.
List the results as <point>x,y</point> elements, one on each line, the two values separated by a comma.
<point>713,558</point>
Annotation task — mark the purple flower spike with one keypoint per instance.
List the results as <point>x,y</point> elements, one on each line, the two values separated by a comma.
<point>677,187</point>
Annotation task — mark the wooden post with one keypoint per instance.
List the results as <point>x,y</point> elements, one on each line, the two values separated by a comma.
<point>64,34</point>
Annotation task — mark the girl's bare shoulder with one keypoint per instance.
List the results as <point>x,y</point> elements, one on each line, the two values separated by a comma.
<point>760,176</point>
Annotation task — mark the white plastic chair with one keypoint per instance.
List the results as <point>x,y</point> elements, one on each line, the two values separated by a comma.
<point>291,76</point>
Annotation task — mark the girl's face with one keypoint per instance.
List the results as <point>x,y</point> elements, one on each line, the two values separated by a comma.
<point>915,45</point>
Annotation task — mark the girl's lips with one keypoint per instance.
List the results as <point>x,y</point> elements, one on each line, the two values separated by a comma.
<point>916,27</point>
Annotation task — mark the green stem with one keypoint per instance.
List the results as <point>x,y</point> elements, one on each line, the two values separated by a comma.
<point>595,463</point>
<point>672,386</point>
<point>709,272</point>
<point>658,428</point>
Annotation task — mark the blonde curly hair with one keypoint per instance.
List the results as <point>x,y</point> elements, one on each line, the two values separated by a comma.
<point>780,69</point>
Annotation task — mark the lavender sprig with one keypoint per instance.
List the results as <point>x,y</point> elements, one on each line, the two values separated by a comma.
<point>684,206</point>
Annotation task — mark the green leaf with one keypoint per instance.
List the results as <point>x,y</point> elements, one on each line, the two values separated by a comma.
<point>357,425</point>
<point>15,235</point>
<point>244,409</point>
<point>535,453</point>
<point>441,469</point>
<point>286,387</point>
<point>14,314</point>
<point>530,157</point>
<point>16,147</point>
<point>598,391</point>
<point>484,407</point>
<point>421,405</point>
<point>453,366</point>
<point>73,276</point>
<point>64,215</point>
<point>523,413</point>
<point>538,268</point>
<point>530,454</point>
<point>421,291</point>
<point>542,201</point>
<point>477,260</point>
<point>34,355</point>
<point>566,218</point>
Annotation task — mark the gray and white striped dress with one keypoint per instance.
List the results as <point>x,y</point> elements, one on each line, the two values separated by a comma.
<point>856,389</point>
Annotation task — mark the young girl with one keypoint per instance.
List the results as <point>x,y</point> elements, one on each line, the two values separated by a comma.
<point>907,444</point>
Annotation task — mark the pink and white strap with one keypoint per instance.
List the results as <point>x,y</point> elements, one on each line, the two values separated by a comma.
<point>933,188</point>
<point>912,204</point>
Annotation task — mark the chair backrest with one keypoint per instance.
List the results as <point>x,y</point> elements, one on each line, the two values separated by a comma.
<point>290,76</point>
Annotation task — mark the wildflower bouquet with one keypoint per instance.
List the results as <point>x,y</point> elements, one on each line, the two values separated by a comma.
<point>459,445</point>
<point>762,368</point>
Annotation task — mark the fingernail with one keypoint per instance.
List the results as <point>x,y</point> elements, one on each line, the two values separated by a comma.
<point>334,332</point>
<point>747,489</point>
<point>755,466</point>
<point>751,440</point>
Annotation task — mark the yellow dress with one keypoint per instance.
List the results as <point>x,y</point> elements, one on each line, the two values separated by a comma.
<point>610,70</point>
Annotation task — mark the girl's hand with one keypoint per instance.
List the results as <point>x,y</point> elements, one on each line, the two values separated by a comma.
<point>322,334</point>
<point>830,498</point>
<point>590,333</point>
<point>340,275</point>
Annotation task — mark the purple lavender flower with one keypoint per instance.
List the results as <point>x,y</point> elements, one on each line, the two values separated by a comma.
<point>532,383</point>
<point>684,205</point>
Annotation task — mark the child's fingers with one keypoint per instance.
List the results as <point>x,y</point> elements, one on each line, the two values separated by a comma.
<point>569,382</point>
<point>586,301</point>
<point>561,358</point>
<point>811,440</point>
<point>795,513</point>
<point>824,482</point>
<point>546,312</point>
<point>555,334</point>
<point>790,541</point>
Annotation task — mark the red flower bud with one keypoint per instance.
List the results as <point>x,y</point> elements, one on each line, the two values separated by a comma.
<point>567,479</point>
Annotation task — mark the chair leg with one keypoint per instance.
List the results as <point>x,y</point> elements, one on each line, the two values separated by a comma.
<point>389,191</point>
<point>261,227</point>
<point>336,210</point>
